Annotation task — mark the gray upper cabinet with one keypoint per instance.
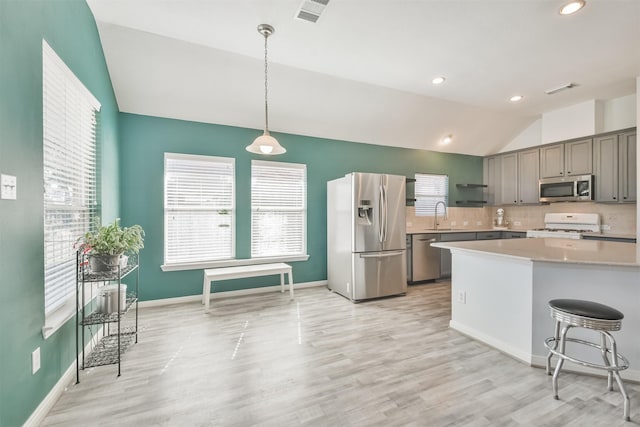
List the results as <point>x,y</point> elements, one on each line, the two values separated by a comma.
<point>552,161</point>
<point>509,187</point>
<point>567,159</point>
<point>627,165</point>
<point>615,168</point>
<point>512,179</point>
<point>528,176</point>
<point>578,157</point>
<point>493,180</point>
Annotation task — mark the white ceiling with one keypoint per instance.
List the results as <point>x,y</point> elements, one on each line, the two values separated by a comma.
<point>363,71</point>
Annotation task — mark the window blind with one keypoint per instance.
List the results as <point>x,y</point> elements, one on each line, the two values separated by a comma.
<point>278,208</point>
<point>199,216</point>
<point>70,121</point>
<point>429,190</point>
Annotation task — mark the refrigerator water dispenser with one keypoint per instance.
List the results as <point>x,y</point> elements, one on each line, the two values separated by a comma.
<point>365,212</point>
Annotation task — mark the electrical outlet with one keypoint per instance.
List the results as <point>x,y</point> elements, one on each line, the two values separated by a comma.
<point>9,184</point>
<point>453,223</point>
<point>462,297</point>
<point>465,223</point>
<point>517,223</point>
<point>478,222</point>
<point>605,227</point>
<point>35,361</point>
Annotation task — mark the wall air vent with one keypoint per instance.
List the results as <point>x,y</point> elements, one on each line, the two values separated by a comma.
<point>310,10</point>
<point>560,88</point>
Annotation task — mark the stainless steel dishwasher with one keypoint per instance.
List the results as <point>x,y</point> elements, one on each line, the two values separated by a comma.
<point>425,259</point>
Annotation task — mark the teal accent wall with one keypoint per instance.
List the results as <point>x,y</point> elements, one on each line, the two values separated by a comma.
<point>69,27</point>
<point>145,140</point>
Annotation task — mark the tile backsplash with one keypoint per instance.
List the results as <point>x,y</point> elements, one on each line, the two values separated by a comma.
<point>619,218</point>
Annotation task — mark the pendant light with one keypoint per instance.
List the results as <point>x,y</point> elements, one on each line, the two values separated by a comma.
<point>265,143</point>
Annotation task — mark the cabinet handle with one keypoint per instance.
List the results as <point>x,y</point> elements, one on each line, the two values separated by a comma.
<point>625,197</point>
<point>568,172</point>
<point>614,198</point>
<point>560,173</point>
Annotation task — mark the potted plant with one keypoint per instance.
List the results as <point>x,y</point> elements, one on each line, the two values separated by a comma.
<point>106,245</point>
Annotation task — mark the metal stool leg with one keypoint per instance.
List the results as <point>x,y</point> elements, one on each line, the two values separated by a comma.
<point>556,335</point>
<point>603,351</point>
<point>556,373</point>
<point>616,374</point>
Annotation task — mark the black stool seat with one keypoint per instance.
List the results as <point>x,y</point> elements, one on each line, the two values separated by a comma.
<point>583,308</point>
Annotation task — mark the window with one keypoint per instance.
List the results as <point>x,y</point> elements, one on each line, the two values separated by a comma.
<point>199,216</point>
<point>430,189</point>
<point>278,209</point>
<point>69,121</point>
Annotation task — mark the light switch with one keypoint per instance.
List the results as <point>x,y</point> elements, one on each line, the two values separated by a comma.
<point>8,187</point>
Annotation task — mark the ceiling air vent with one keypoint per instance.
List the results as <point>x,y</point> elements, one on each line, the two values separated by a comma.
<point>310,10</point>
<point>560,88</point>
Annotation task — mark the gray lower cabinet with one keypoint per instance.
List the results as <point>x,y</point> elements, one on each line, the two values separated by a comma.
<point>445,254</point>
<point>514,234</point>
<point>427,263</point>
<point>615,168</point>
<point>610,239</point>
<point>489,235</point>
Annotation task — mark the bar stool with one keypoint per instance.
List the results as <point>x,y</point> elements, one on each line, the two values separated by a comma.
<point>594,316</point>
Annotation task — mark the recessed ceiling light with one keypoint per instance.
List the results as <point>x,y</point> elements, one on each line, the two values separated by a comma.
<point>516,98</point>
<point>438,80</point>
<point>447,139</point>
<point>572,7</point>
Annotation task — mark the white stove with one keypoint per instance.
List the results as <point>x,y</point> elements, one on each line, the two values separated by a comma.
<point>567,225</point>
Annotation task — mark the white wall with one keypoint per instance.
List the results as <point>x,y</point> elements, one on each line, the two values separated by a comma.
<point>638,163</point>
<point>572,122</point>
<point>529,137</point>
<point>620,113</point>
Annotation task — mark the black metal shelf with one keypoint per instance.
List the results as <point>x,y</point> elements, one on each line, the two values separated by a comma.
<point>96,318</point>
<point>108,351</point>
<point>86,275</point>
<point>110,347</point>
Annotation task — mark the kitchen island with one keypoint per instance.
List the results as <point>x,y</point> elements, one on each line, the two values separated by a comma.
<point>500,290</point>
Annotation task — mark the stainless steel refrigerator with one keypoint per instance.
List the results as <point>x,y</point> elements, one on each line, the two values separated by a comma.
<point>366,233</point>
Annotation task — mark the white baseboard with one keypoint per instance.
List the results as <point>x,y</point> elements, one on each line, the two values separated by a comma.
<point>631,375</point>
<point>228,294</point>
<point>39,414</point>
<point>518,354</point>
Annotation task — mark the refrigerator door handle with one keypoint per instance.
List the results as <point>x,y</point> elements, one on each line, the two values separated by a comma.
<point>381,254</point>
<point>381,215</point>
<point>386,213</point>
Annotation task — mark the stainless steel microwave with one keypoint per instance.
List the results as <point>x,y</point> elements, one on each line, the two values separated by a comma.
<point>577,188</point>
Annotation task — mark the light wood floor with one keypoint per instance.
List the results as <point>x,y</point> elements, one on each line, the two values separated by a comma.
<point>321,360</point>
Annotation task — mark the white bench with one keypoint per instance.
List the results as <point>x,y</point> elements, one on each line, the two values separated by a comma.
<point>226,273</point>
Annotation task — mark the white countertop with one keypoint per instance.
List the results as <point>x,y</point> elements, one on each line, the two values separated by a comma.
<point>580,251</point>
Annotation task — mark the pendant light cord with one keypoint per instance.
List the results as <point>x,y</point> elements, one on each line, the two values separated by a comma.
<point>266,104</point>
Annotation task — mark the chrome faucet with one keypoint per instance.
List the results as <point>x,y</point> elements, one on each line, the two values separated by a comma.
<point>435,227</point>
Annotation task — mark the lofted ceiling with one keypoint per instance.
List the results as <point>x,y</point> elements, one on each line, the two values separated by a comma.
<point>363,72</point>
